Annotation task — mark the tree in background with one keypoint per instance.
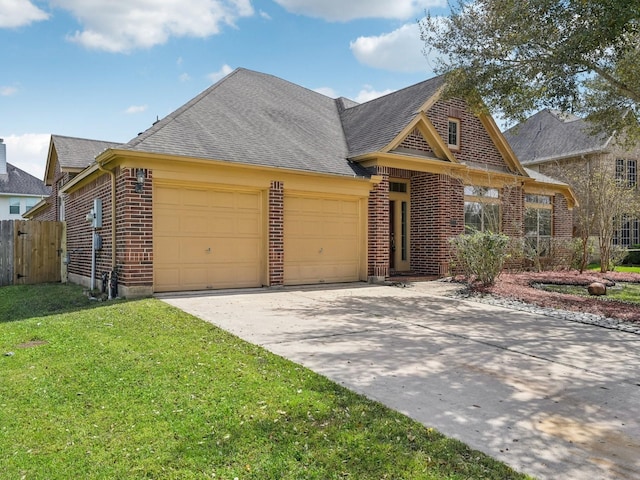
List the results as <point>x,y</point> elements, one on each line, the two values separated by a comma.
<point>517,56</point>
<point>603,201</point>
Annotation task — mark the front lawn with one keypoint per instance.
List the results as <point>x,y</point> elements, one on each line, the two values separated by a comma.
<point>142,390</point>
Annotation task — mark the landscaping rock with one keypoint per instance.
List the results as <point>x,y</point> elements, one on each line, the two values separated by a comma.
<point>597,288</point>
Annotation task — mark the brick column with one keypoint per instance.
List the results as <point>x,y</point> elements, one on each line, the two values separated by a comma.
<point>134,240</point>
<point>512,211</point>
<point>276,234</point>
<point>562,218</point>
<point>378,229</point>
<point>437,214</point>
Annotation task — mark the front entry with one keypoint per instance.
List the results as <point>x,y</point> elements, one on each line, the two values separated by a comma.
<point>399,260</point>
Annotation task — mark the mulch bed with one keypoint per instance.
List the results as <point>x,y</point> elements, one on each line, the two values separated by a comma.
<point>521,286</point>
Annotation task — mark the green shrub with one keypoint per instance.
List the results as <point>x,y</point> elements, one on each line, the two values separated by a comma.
<point>480,256</point>
<point>633,258</point>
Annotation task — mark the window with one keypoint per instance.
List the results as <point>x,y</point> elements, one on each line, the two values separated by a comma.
<point>14,206</point>
<point>398,187</point>
<point>537,223</point>
<point>454,133</point>
<point>481,209</point>
<point>627,172</point>
<point>627,233</point>
<point>30,203</point>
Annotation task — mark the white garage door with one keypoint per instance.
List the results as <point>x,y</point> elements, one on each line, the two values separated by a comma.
<point>206,238</point>
<point>321,240</point>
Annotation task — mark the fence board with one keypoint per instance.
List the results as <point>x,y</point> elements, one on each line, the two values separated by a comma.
<point>6,252</point>
<point>30,252</point>
<point>37,252</point>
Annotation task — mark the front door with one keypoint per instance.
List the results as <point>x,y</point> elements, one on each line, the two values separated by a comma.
<point>399,260</point>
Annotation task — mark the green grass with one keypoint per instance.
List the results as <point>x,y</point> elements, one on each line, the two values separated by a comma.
<point>626,292</point>
<point>619,268</point>
<point>142,390</point>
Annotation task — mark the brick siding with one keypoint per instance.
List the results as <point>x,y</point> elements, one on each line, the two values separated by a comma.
<point>134,229</point>
<point>562,218</point>
<point>79,231</point>
<point>276,233</point>
<point>378,228</point>
<point>476,146</point>
<point>437,214</point>
<point>415,141</point>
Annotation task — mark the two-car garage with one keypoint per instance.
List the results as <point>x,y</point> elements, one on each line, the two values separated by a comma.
<point>214,238</point>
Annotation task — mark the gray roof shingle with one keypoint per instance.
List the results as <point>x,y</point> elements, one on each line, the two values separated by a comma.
<point>20,182</point>
<point>550,135</point>
<point>372,125</point>
<point>258,119</point>
<point>78,152</point>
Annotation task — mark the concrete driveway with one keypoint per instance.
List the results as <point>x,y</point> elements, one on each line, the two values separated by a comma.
<point>552,398</point>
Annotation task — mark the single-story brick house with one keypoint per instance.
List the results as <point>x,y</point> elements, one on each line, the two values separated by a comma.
<point>261,182</point>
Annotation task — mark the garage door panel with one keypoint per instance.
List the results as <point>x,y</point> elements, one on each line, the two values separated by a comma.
<point>203,239</point>
<point>322,240</point>
<point>194,197</point>
<point>192,224</point>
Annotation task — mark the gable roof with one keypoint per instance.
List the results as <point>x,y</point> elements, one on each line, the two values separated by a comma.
<point>371,126</point>
<point>550,135</point>
<point>258,119</point>
<point>19,182</point>
<point>73,154</point>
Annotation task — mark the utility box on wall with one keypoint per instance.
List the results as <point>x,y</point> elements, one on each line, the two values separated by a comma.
<point>94,217</point>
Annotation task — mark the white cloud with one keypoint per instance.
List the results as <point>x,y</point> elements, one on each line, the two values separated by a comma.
<point>8,91</point>
<point>368,93</point>
<point>327,91</point>
<point>343,11</point>
<point>133,109</point>
<point>223,72</point>
<point>265,15</point>
<point>135,24</point>
<point>28,152</point>
<point>17,13</point>
<point>184,77</point>
<point>398,51</point>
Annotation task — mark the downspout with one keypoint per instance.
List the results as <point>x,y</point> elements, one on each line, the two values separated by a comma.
<point>113,214</point>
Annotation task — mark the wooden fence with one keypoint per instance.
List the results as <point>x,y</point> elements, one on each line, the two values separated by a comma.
<point>30,252</point>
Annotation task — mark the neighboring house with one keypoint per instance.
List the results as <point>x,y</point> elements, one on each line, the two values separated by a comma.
<point>19,191</point>
<point>550,140</point>
<point>67,157</point>
<point>261,182</point>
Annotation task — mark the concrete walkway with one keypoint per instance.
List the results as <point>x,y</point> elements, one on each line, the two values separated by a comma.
<point>554,399</point>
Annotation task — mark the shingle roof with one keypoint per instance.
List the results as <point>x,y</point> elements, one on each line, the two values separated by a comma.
<point>254,118</point>
<point>549,135</point>
<point>543,178</point>
<point>78,152</point>
<point>372,125</point>
<point>20,182</point>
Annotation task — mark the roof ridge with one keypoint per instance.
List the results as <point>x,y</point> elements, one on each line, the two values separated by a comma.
<point>167,119</point>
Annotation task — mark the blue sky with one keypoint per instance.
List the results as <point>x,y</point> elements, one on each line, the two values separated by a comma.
<point>106,69</point>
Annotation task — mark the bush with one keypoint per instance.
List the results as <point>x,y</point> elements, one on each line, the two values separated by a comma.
<point>480,256</point>
<point>633,258</point>
<point>617,254</point>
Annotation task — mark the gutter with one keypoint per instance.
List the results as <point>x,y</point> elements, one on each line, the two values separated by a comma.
<point>578,153</point>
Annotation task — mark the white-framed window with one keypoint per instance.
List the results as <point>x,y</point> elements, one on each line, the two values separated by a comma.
<point>627,233</point>
<point>30,202</point>
<point>538,223</point>
<point>481,209</point>
<point>627,172</point>
<point>453,134</point>
<point>14,206</point>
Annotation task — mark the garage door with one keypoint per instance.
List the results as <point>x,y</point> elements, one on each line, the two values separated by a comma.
<point>206,239</point>
<point>321,240</point>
